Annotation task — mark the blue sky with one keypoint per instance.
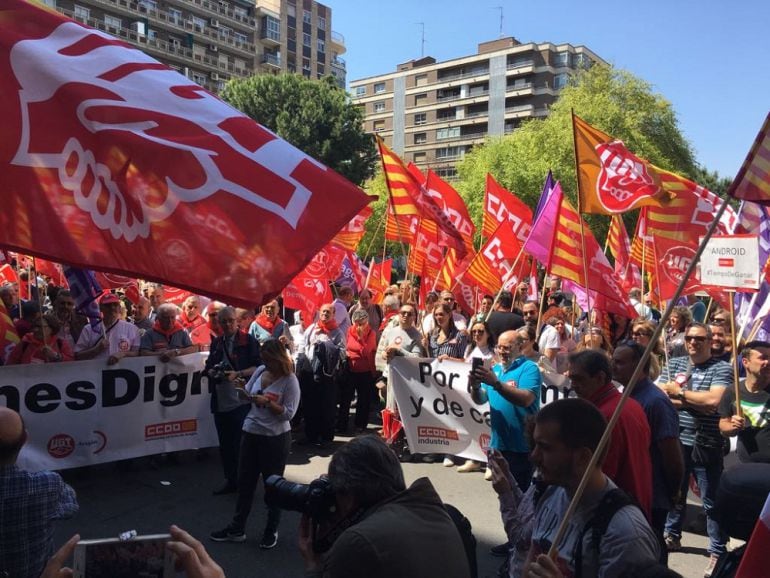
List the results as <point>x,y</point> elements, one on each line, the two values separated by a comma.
<point>709,58</point>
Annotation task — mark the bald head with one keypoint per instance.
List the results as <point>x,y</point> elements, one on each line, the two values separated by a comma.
<point>12,435</point>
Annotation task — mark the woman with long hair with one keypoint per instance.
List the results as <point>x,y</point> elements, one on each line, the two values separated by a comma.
<point>528,343</point>
<point>361,347</point>
<point>566,344</point>
<point>445,341</point>
<point>481,346</point>
<point>273,390</point>
<point>595,338</point>
<point>641,333</point>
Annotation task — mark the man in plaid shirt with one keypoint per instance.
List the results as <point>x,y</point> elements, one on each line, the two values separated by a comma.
<point>29,503</point>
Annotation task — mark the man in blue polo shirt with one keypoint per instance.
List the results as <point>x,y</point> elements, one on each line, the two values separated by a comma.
<point>513,388</point>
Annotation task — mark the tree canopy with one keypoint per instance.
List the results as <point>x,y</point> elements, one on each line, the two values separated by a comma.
<point>614,101</point>
<point>316,116</point>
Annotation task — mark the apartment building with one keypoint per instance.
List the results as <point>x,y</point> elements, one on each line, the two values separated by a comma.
<point>432,113</point>
<point>211,41</point>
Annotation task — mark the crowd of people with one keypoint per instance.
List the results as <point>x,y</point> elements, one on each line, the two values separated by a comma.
<point>277,379</point>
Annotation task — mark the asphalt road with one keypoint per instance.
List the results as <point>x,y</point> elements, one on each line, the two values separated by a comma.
<point>149,495</point>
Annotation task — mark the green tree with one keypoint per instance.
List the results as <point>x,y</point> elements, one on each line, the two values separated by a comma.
<point>612,100</point>
<point>316,116</point>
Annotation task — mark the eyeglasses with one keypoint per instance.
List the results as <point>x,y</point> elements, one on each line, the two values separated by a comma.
<point>640,334</point>
<point>718,320</point>
<point>407,313</point>
<point>478,331</point>
<point>504,348</point>
<point>695,338</point>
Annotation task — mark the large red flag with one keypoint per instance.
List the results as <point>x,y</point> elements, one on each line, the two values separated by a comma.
<point>620,247</point>
<point>494,261</point>
<point>113,161</point>
<point>501,205</point>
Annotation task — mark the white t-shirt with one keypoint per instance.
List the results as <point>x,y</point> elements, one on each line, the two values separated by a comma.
<point>549,339</point>
<point>122,337</point>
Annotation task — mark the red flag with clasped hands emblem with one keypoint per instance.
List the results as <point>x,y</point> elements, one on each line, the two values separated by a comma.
<point>114,161</point>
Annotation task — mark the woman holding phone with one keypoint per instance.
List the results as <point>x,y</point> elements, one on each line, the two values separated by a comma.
<point>274,393</point>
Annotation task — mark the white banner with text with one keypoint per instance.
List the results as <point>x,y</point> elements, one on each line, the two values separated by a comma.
<point>86,412</point>
<point>436,408</point>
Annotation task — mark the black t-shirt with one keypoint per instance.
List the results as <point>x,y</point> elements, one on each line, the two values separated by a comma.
<point>754,439</point>
<point>502,321</point>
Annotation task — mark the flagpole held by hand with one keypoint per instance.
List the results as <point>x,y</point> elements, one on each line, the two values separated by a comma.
<point>734,358</point>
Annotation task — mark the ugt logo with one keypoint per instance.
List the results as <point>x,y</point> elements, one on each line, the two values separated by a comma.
<point>624,179</point>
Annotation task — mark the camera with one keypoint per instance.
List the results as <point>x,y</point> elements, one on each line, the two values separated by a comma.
<point>315,499</point>
<point>218,371</point>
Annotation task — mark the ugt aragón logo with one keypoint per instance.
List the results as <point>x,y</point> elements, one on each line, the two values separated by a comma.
<point>117,91</point>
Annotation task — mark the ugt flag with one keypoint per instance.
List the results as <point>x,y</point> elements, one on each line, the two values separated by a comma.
<point>113,161</point>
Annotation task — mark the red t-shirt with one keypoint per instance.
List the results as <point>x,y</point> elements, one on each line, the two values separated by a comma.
<point>628,461</point>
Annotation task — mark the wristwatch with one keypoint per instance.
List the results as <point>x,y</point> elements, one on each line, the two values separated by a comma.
<point>680,395</point>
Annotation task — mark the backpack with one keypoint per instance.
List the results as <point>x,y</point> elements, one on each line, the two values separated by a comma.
<point>465,530</point>
<point>610,503</point>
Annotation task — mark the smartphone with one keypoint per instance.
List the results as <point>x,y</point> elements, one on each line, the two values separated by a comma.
<point>143,556</point>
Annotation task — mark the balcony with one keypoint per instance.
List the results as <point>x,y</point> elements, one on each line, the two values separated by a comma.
<point>460,75</point>
<point>520,89</point>
<point>519,111</point>
<point>338,42</point>
<point>233,16</point>
<point>520,64</point>
<point>271,59</point>
<point>133,10</point>
<point>340,63</point>
<point>271,37</point>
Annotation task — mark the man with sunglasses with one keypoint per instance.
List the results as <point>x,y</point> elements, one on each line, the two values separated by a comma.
<point>428,324</point>
<point>695,383</point>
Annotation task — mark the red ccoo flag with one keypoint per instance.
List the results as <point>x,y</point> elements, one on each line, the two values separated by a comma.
<point>501,205</point>
<point>113,161</point>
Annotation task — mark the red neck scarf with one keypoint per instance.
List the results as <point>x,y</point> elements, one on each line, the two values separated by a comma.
<point>327,326</point>
<point>174,328</point>
<point>187,322</point>
<point>266,323</point>
<point>387,317</point>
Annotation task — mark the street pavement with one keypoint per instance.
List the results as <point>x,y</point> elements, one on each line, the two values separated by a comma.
<point>147,495</point>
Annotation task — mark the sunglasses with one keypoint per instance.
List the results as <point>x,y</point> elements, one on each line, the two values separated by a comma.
<point>695,338</point>
<point>478,332</point>
<point>640,334</point>
<point>407,313</point>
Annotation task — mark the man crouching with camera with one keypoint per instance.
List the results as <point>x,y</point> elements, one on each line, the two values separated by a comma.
<point>374,525</point>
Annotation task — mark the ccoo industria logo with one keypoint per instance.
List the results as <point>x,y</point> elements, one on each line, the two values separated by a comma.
<point>118,112</point>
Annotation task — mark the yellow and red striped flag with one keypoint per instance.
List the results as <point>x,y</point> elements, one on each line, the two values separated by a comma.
<point>408,196</point>
<point>620,247</point>
<point>752,183</point>
<point>688,216</point>
<point>351,234</point>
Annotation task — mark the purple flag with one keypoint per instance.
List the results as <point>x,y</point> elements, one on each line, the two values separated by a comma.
<point>540,239</point>
<point>85,291</point>
<point>754,219</point>
<point>547,190</point>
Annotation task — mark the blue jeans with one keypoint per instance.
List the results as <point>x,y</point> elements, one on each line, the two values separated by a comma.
<point>707,478</point>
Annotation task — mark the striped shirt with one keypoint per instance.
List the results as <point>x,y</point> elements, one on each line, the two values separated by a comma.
<point>702,377</point>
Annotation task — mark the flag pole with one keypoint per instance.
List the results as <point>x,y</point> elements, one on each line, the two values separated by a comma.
<point>629,388</point>
<point>734,358</point>
<point>582,226</point>
<point>505,280</point>
<point>657,282</point>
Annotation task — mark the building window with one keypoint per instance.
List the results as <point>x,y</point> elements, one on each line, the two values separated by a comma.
<point>322,23</point>
<point>378,125</point>
<point>560,81</point>
<point>174,15</point>
<point>112,21</point>
<point>420,138</point>
<point>421,80</point>
<point>321,69</point>
<point>82,12</point>
<point>447,114</point>
<point>321,45</point>
<point>291,10</point>
<point>446,173</point>
<point>379,87</point>
<point>562,59</point>
<point>306,39</point>
<point>306,16</point>
<point>199,78</point>
<point>449,152</point>
<point>360,91</point>
<point>241,38</point>
<point>379,106</point>
<point>419,157</point>
<point>148,4</point>
<point>199,23</point>
<point>420,118</point>
<point>420,99</point>
<point>306,65</point>
<point>444,133</point>
<point>271,28</point>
